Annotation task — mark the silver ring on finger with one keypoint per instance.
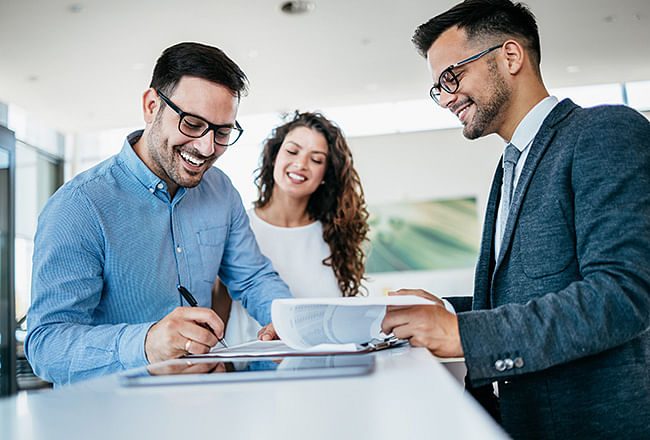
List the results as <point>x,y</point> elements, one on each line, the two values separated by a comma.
<point>187,345</point>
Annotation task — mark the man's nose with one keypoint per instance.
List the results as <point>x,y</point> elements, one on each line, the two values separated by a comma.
<point>446,98</point>
<point>205,144</point>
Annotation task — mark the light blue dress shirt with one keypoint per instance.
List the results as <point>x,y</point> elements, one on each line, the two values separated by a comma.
<point>109,250</point>
<point>522,139</point>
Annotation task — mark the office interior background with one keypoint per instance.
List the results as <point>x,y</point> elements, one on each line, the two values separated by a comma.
<point>72,76</point>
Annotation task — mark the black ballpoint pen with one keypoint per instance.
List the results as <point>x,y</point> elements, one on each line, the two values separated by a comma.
<point>192,301</point>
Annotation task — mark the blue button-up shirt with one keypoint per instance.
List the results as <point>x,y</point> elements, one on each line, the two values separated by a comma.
<point>110,248</point>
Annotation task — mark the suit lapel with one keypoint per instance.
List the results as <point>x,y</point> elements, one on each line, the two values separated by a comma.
<point>540,144</point>
<point>483,275</point>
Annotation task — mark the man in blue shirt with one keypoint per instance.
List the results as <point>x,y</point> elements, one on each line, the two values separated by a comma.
<point>113,243</point>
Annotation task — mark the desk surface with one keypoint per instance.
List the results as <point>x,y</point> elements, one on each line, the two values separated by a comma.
<point>410,395</point>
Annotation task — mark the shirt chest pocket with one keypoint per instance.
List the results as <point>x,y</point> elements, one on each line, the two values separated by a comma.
<point>211,243</point>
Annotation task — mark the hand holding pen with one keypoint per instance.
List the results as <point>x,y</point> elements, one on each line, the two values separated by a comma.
<point>186,330</point>
<point>192,302</point>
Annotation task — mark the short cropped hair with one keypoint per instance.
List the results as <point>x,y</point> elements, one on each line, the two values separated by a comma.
<point>200,60</point>
<point>489,21</point>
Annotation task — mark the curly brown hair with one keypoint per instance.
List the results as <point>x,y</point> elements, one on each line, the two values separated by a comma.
<point>338,204</point>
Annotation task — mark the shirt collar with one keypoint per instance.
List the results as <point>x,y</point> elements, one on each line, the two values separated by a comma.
<point>529,126</point>
<point>137,166</point>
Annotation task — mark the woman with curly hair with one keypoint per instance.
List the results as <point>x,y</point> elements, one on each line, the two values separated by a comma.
<point>310,217</point>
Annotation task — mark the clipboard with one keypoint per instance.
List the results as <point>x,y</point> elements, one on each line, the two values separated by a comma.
<point>382,344</point>
<point>266,349</point>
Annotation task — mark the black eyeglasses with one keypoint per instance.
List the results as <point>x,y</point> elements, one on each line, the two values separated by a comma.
<point>448,81</point>
<point>195,126</point>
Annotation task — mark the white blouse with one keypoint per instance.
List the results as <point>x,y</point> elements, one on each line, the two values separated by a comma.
<point>297,255</point>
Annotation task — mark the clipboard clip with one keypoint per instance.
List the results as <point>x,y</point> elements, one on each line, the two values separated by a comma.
<point>381,344</point>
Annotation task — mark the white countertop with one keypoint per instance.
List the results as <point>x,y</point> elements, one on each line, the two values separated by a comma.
<point>409,395</point>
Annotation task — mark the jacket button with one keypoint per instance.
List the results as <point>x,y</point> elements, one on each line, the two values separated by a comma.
<point>500,365</point>
<point>519,362</point>
<point>509,363</point>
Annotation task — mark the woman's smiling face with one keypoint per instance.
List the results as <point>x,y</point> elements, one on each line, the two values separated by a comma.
<point>300,163</point>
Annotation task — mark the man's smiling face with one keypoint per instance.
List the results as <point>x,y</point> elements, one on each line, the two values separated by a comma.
<point>483,93</point>
<point>180,160</point>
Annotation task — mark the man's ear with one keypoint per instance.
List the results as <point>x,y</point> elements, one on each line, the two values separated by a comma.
<point>150,105</point>
<point>514,56</point>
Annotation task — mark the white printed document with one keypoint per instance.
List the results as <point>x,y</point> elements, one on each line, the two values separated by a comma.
<point>324,326</point>
<point>303,323</point>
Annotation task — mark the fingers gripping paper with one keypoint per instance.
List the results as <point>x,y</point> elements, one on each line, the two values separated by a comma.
<point>303,323</point>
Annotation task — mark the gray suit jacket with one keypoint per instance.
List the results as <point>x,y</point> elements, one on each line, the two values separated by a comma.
<point>561,317</point>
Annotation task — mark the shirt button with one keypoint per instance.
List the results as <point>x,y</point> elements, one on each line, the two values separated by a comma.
<point>519,362</point>
<point>500,365</point>
<point>160,186</point>
<point>509,363</point>
<point>178,249</point>
<point>151,190</point>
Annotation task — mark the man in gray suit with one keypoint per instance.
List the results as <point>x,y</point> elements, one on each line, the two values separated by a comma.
<point>559,322</point>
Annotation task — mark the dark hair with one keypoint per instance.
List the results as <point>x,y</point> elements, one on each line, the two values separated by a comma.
<point>338,203</point>
<point>200,60</point>
<point>490,21</point>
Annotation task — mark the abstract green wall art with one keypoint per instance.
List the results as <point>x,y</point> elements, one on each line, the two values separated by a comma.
<point>428,235</point>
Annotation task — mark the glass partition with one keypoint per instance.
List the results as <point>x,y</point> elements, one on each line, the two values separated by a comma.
<point>7,317</point>
<point>38,176</point>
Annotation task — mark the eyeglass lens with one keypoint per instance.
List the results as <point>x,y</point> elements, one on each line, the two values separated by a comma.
<point>448,83</point>
<point>195,127</point>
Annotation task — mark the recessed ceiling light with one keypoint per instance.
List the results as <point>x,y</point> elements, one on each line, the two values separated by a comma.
<point>75,8</point>
<point>297,7</point>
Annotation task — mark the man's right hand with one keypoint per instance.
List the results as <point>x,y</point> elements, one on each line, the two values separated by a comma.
<point>185,330</point>
<point>431,326</point>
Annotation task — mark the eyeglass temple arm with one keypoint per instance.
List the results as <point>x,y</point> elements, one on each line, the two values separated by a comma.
<point>477,56</point>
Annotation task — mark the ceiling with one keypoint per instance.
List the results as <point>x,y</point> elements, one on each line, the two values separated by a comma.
<point>82,65</point>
